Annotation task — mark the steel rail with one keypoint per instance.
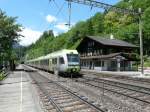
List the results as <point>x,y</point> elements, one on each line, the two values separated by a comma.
<point>116,92</point>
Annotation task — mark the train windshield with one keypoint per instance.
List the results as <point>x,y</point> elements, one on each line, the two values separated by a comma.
<point>73,58</point>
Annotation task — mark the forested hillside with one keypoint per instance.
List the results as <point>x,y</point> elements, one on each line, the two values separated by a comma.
<point>122,26</point>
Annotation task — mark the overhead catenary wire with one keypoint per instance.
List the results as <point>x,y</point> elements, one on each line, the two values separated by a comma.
<point>60,8</point>
<point>45,10</point>
<point>105,6</point>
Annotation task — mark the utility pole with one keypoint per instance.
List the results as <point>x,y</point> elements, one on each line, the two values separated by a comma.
<point>69,8</point>
<point>141,42</point>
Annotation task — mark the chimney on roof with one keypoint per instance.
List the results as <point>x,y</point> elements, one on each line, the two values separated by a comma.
<point>111,36</point>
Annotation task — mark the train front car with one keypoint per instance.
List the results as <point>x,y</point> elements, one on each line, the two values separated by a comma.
<point>73,62</point>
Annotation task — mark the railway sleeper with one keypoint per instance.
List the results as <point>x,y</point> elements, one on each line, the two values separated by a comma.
<point>138,95</point>
<point>146,98</point>
<point>58,95</point>
<point>56,92</point>
<point>131,93</point>
<point>53,110</point>
<point>69,104</point>
<point>49,107</point>
<point>75,107</point>
<point>85,110</point>
<point>45,100</point>
<point>47,103</point>
<point>62,98</point>
<point>65,101</point>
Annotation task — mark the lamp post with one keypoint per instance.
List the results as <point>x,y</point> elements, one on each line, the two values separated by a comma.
<point>141,42</point>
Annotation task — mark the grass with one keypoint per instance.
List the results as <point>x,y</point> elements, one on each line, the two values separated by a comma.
<point>2,75</point>
<point>147,74</point>
<point>147,62</point>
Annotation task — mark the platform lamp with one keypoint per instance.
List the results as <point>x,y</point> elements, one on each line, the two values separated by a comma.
<point>141,42</point>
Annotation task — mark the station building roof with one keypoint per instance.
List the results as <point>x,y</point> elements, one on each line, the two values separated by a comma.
<point>111,42</point>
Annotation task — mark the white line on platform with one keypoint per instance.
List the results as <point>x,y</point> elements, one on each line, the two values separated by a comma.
<point>21,93</point>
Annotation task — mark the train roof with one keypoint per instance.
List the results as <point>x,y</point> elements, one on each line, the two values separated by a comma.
<point>56,53</point>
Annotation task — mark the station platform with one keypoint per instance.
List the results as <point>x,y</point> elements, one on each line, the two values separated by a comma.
<point>16,94</point>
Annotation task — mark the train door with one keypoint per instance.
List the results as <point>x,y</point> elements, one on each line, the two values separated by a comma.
<point>50,65</point>
<point>58,65</point>
<point>61,64</point>
<point>55,65</point>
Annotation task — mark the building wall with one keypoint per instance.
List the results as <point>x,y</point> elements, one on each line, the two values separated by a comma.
<point>106,65</point>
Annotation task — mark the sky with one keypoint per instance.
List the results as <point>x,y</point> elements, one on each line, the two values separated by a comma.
<point>37,16</point>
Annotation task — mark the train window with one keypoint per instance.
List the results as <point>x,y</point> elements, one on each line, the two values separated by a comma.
<point>73,57</point>
<point>61,60</point>
<point>45,62</point>
<point>54,61</point>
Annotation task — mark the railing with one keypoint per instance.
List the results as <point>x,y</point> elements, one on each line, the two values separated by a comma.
<point>129,55</point>
<point>3,73</point>
<point>90,54</point>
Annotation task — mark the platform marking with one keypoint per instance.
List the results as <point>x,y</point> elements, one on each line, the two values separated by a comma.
<point>21,93</point>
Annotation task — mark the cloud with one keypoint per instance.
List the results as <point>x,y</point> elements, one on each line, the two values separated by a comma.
<point>50,18</point>
<point>62,26</point>
<point>55,33</point>
<point>30,36</point>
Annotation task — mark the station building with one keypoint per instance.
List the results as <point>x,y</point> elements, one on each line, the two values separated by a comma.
<point>103,54</point>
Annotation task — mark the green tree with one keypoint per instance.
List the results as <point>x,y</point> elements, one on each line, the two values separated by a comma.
<point>8,35</point>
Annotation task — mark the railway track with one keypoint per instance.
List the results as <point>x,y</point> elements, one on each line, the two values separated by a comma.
<point>137,93</point>
<point>57,98</point>
<point>124,85</point>
<point>133,80</point>
<point>123,78</point>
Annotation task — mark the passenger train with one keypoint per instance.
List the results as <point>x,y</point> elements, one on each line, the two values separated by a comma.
<point>64,61</point>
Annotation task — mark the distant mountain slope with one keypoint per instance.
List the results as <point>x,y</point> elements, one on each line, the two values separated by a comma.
<point>16,45</point>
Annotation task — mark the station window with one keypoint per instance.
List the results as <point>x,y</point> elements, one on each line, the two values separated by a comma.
<point>102,63</point>
<point>61,60</point>
<point>99,63</point>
